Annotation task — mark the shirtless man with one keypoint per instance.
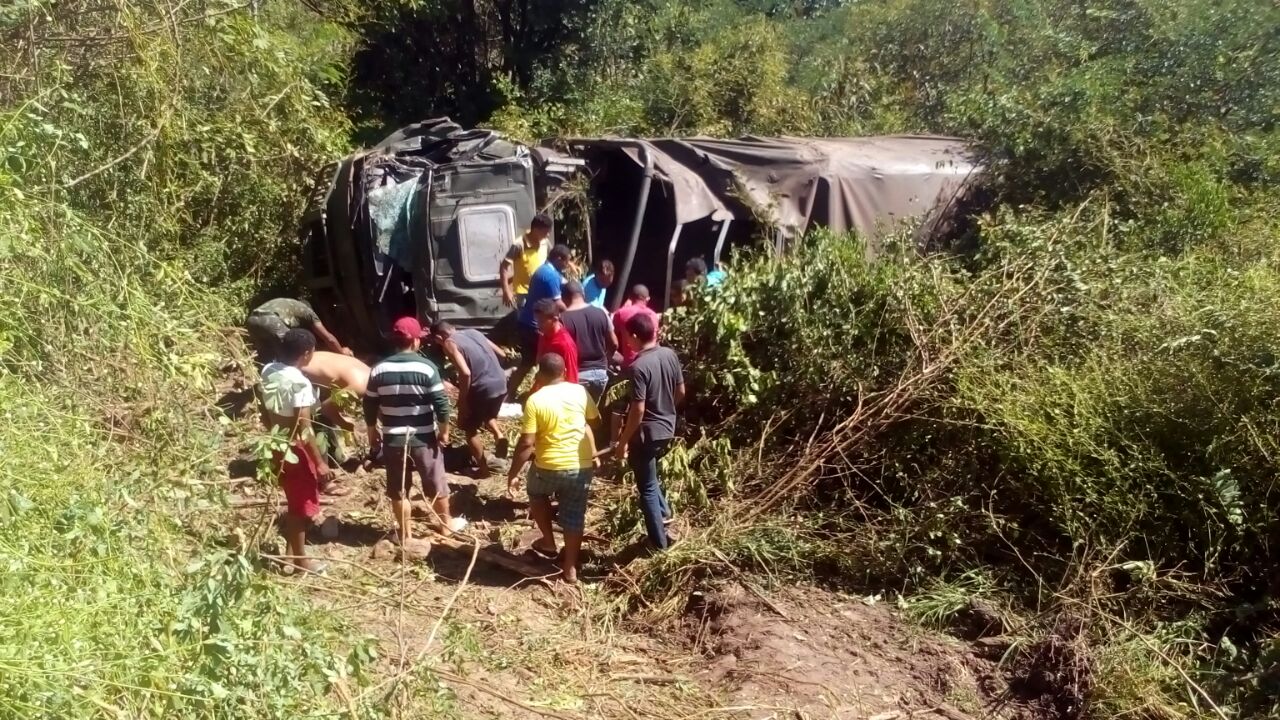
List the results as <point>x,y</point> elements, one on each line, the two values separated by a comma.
<point>334,371</point>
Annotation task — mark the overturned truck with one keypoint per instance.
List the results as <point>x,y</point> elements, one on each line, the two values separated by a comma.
<point>419,223</point>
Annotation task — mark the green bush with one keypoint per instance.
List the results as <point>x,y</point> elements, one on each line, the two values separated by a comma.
<point>154,152</point>
<point>1100,407</point>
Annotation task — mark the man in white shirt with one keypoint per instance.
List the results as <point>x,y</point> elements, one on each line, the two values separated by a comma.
<point>288,398</point>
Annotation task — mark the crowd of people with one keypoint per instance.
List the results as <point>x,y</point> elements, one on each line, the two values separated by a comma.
<point>577,351</point>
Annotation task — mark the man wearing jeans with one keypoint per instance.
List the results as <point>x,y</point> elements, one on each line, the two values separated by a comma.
<point>657,388</point>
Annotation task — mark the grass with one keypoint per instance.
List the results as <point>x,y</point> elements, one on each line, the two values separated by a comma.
<point>118,605</point>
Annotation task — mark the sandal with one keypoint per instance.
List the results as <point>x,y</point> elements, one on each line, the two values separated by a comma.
<point>542,553</point>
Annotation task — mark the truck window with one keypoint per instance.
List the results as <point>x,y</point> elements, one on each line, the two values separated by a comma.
<point>485,233</point>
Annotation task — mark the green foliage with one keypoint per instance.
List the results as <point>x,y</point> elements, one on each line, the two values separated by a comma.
<point>146,152</point>
<point>1096,403</point>
<point>114,608</point>
<point>201,142</point>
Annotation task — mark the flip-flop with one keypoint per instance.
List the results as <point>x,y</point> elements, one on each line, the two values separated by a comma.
<point>542,553</point>
<point>336,491</point>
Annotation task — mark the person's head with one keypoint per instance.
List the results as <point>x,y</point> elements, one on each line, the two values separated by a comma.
<point>572,292</point>
<point>550,368</point>
<point>679,292</point>
<point>297,347</point>
<point>695,269</point>
<point>406,334</point>
<point>639,294</point>
<point>560,256</point>
<point>441,330</point>
<point>547,314</point>
<point>641,330</point>
<point>539,229</point>
<point>604,272</point>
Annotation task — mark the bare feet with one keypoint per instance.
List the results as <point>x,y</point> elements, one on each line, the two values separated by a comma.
<point>333,489</point>
<point>455,525</point>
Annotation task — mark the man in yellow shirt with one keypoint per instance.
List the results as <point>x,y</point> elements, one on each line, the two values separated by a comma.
<point>522,259</point>
<point>555,431</point>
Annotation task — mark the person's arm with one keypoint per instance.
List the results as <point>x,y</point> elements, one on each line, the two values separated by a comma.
<point>591,443</point>
<point>464,371</point>
<point>557,286</point>
<point>610,340</point>
<point>524,451</point>
<point>525,446</point>
<point>635,413</point>
<point>371,418</point>
<point>679,378</point>
<point>440,402</point>
<point>506,273</point>
<point>543,349</point>
<point>328,339</point>
<point>497,350</point>
<point>304,430</point>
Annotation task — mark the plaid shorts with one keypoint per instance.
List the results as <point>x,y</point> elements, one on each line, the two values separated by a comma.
<point>570,488</point>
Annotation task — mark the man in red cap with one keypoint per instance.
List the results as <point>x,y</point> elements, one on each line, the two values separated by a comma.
<point>406,398</point>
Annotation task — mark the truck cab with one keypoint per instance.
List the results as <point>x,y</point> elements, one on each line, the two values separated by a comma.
<point>417,225</point>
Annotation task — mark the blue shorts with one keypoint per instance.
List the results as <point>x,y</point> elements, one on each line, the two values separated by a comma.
<point>570,488</point>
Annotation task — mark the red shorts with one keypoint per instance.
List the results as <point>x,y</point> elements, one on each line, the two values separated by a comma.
<point>301,481</point>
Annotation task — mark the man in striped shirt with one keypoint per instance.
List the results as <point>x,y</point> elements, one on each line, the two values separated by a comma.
<point>406,398</point>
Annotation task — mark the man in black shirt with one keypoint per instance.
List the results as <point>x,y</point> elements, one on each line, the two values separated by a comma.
<point>593,333</point>
<point>657,388</point>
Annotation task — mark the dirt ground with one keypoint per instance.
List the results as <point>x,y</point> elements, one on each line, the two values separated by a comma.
<point>481,640</point>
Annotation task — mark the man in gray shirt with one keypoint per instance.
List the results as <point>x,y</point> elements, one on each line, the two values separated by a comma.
<point>657,388</point>
<point>482,387</point>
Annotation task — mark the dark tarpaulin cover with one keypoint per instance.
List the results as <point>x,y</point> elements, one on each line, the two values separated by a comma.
<point>866,185</point>
<point>440,141</point>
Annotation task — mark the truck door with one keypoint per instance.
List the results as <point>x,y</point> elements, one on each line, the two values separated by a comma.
<point>476,212</point>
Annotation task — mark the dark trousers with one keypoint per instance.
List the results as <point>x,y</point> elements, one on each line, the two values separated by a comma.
<point>643,458</point>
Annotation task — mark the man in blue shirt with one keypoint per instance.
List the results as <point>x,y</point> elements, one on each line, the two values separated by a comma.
<point>695,272</point>
<point>544,284</point>
<point>595,287</point>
